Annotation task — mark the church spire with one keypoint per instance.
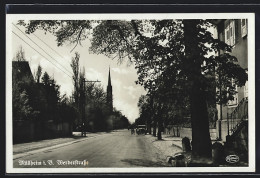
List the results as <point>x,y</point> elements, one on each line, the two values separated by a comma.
<point>109,78</point>
<point>109,93</point>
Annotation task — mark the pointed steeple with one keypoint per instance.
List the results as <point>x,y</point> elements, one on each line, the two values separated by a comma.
<point>109,78</point>
<point>109,93</point>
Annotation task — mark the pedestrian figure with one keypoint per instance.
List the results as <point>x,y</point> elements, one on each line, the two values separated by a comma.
<point>168,130</point>
<point>83,132</point>
<point>132,131</point>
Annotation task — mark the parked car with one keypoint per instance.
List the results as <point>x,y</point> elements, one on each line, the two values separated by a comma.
<point>141,129</point>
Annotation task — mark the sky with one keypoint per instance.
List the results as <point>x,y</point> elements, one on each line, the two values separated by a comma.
<point>125,91</point>
<point>56,62</point>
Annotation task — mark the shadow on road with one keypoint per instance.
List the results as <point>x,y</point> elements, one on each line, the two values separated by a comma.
<point>144,163</point>
<point>78,137</point>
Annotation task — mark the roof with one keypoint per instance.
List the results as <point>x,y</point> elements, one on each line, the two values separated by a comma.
<point>22,71</point>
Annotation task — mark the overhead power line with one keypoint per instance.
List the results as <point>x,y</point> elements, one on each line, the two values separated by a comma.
<point>48,45</point>
<point>42,49</point>
<point>40,54</point>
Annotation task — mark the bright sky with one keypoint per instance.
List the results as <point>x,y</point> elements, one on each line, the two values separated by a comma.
<point>125,92</point>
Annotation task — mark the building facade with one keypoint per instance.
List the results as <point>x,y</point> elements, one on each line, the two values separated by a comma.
<point>233,32</point>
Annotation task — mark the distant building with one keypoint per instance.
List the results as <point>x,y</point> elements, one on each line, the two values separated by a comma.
<point>109,93</point>
<point>232,116</point>
<point>45,119</point>
<point>21,71</point>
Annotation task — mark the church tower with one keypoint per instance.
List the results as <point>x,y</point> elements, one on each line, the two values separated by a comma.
<point>109,93</point>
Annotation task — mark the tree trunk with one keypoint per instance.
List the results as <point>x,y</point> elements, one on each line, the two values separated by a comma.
<point>159,134</point>
<point>201,142</point>
<point>154,128</point>
<point>151,118</point>
<point>149,127</point>
<point>178,131</point>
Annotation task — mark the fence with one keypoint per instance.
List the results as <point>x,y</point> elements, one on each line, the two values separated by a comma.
<point>26,131</point>
<point>182,132</point>
<point>239,114</point>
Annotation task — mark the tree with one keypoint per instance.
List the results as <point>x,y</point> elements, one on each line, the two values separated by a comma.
<point>20,55</point>
<point>124,122</point>
<point>21,83</point>
<point>171,51</point>
<point>66,111</point>
<point>38,74</point>
<point>81,95</point>
<point>199,114</point>
<point>46,97</point>
<point>75,68</point>
<point>96,107</point>
<point>145,111</point>
<point>22,108</point>
<point>181,44</point>
<point>46,78</point>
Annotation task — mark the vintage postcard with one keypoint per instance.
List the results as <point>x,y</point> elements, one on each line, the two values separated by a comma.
<point>130,93</point>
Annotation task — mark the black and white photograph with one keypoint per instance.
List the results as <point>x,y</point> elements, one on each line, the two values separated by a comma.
<point>163,92</point>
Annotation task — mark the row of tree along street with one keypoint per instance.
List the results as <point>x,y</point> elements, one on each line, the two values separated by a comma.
<point>40,111</point>
<point>90,101</point>
<point>175,62</point>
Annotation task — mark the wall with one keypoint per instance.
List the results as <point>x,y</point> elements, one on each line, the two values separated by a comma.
<point>186,132</point>
<point>23,131</point>
<point>26,131</point>
<point>240,51</point>
<point>64,129</point>
<point>224,129</point>
<point>241,139</point>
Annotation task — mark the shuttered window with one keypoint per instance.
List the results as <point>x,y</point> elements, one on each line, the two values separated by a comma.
<point>243,27</point>
<point>230,38</point>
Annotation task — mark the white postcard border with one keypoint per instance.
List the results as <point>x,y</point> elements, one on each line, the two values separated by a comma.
<point>251,89</point>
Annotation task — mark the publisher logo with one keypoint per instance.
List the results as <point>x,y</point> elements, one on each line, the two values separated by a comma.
<point>232,159</point>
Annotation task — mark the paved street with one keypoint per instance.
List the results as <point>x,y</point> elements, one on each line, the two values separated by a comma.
<point>115,149</point>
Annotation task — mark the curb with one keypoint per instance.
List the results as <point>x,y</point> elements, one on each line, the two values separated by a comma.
<point>20,155</point>
<point>177,146</point>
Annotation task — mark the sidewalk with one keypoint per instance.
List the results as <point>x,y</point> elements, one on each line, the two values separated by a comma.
<point>169,145</point>
<point>23,149</point>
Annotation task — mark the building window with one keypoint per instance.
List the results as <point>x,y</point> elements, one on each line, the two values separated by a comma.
<point>243,27</point>
<point>230,33</point>
<point>234,102</point>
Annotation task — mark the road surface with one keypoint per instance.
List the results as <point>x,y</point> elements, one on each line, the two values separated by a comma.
<point>115,149</point>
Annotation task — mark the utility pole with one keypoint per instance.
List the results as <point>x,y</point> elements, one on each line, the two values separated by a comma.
<point>84,104</point>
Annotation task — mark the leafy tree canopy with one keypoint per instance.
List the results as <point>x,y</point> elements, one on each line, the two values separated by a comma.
<point>157,49</point>
<point>173,58</point>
